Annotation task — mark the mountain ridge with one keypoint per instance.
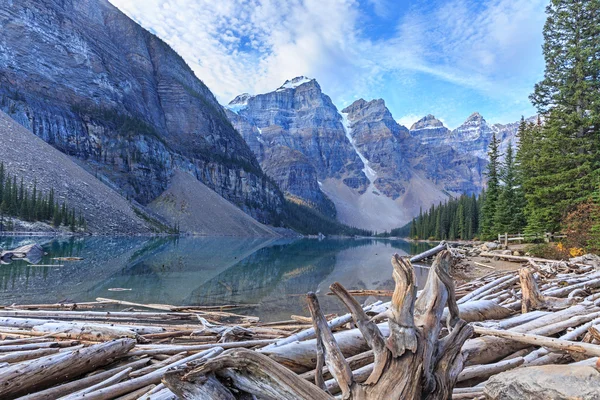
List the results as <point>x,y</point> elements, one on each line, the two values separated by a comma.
<point>412,168</point>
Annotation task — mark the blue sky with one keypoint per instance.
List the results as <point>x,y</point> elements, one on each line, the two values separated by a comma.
<point>449,58</point>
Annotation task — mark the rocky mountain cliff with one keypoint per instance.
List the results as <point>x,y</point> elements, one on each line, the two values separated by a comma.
<point>377,172</point>
<point>296,132</point>
<point>95,85</point>
<point>31,159</point>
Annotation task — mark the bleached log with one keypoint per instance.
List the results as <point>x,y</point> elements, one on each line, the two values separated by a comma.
<point>23,378</point>
<point>94,332</point>
<point>159,365</point>
<point>487,370</point>
<point>116,377</point>
<point>136,394</point>
<point>164,394</point>
<point>174,349</point>
<point>65,389</point>
<point>484,288</point>
<point>590,350</point>
<point>18,356</point>
<point>152,378</point>
<point>532,299</point>
<point>429,253</point>
<point>99,315</point>
<point>53,325</point>
<point>496,289</point>
<point>334,323</point>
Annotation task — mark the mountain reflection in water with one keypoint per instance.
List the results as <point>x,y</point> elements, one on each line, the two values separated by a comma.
<point>203,271</point>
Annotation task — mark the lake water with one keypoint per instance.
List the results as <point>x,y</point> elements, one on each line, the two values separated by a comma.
<point>202,271</point>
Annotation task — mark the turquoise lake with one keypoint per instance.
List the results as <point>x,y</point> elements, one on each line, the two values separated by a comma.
<point>274,274</point>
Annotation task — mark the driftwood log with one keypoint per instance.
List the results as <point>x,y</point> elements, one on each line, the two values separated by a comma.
<point>533,299</point>
<point>421,358</point>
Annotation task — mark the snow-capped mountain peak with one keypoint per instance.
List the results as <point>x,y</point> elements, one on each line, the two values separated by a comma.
<point>295,82</point>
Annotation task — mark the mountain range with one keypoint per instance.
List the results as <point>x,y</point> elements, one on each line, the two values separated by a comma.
<point>129,111</point>
<point>376,172</point>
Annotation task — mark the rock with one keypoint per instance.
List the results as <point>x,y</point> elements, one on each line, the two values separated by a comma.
<point>548,382</point>
<point>97,86</point>
<point>506,252</point>
<point>517,253</point>
<point>296,132</point>
<point>490,246</point>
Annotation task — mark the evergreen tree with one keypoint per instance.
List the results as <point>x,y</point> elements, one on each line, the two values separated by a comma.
<point>488,230</point>
<point>568,145</point>
<point>509,209</point>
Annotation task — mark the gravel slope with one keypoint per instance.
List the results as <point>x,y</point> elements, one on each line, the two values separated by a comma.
<point>29,157</point>
<point>199,210</point>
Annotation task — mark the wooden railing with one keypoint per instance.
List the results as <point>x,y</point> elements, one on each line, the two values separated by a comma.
<point>521,237</point>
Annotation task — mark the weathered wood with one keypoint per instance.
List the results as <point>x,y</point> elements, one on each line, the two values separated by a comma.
<point>95,332</point>
<point>537,340</point>
<point>492,285</point>
<point>152,378</point>
<point>487,370</point>
<point>65,389</point>
<point>429,253</point>
<point>413,363</point>
<point>249,371</point>
<point>532,299</point>
<point>20,379</point>
<point>18,356</point>
<point>174,349</point>
<point>116,377</point>
<point>310,333</point>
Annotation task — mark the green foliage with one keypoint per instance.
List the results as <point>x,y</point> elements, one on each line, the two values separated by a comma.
<point>546,250</point>
<point>308,221</point>
<point>488,228</point>
<point>19,202</point>
<point>509,214</point>
<point>457,218</point>
<point>564,153</point>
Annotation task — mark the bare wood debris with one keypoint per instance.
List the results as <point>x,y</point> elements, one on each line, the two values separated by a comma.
<point>435,342</point>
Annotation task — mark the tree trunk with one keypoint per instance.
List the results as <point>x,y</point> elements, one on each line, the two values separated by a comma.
<point>22,378</point>
<point>416,361</point>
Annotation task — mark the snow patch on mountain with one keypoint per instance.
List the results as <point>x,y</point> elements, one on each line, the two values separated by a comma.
<point>369,172</point>
<point>294,83</point>
<point>239,103</point>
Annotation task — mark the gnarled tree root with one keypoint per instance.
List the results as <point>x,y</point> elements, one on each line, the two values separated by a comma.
<point>416,361</point>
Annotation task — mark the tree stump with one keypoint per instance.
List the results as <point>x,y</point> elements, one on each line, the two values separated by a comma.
<point>419,359</point>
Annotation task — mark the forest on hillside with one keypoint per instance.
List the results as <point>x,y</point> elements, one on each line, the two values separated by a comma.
<point>18,201</point>
<point>549,181</point>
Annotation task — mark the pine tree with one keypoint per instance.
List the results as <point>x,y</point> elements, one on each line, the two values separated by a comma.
<point>568,145</point>
<point>488,230</point>
<point>509,209</point>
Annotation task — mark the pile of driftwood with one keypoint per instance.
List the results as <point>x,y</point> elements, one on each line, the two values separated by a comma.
<point>439,342</point>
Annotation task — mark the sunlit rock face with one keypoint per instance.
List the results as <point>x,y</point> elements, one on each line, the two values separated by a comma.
<point>94,84</point>
<point>298,136</point>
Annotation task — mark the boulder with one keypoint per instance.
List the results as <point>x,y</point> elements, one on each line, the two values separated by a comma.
<point>490,246</point>
<point>548,382</point>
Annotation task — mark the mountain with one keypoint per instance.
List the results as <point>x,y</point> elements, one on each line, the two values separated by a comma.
<point>375,173</point>
<point>194,208</point>
<point>429,130</point>
<point>296,132</point>
<point>472,137</point>
<point>29,158</point>
<point>358,164</point>
<point>95,85</point>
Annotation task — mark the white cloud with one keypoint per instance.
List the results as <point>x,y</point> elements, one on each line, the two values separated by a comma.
<point>409,120</point>
<point>253,46</point>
